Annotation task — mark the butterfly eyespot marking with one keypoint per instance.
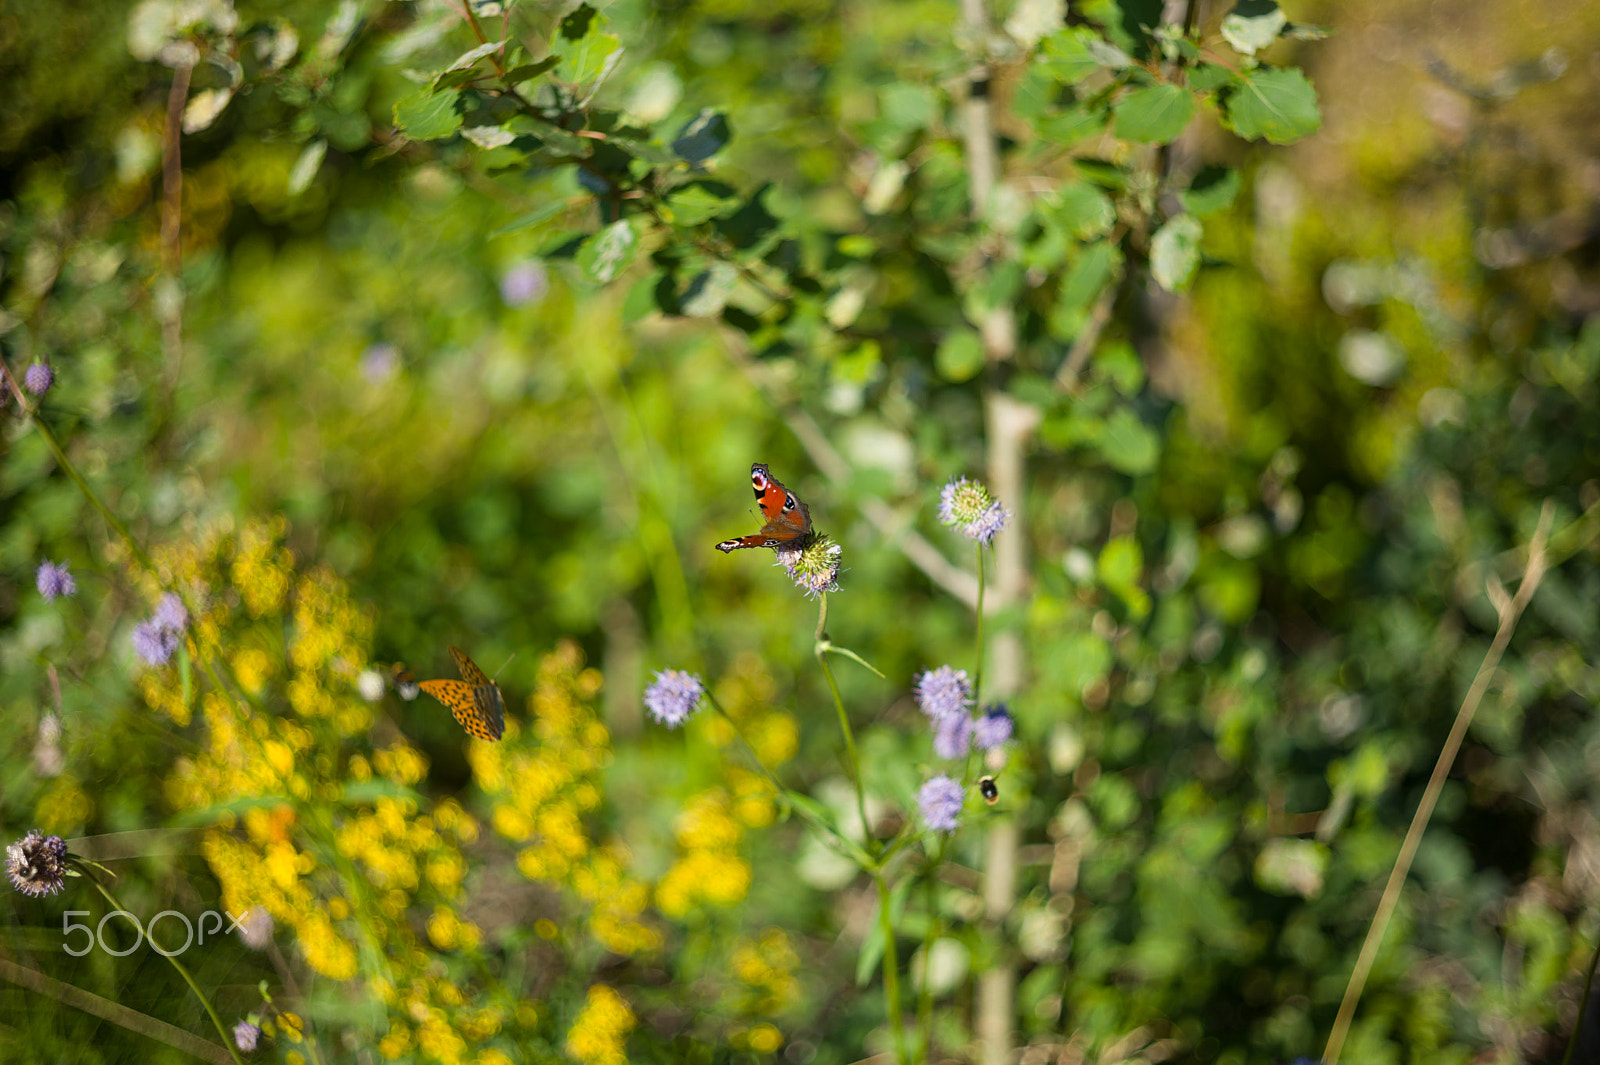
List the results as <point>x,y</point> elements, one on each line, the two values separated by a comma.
<point>788,521</point>
<point>987,789</point>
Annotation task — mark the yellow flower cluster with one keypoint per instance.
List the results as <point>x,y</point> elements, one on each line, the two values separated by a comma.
<point>709,869</point>
<point>331,837</point>
<point>599,1036</point>
<point>766,966</point>
<point>542,785</point>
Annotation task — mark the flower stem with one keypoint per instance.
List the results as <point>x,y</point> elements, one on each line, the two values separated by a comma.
<point>891,972</point>
<point>849,744</point>
<point>227,1040</point>
<point>738,733</point>
<point>977,668</point>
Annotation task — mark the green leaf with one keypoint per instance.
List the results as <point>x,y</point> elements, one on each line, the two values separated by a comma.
<point>702,136</point>
<point>427,116</point>
<point>709,290</point>
<point>1121,564</point>
<point>544,212</point>
<point>1071,125</point>
<point>1205,77</point>
<point>1154,114</point>
<point>576,26</point>
<point>1092,271</point>
<point>1175,252</point>
<point>1128,445</point>
<point>907,106</point>
<point>1071,54</point>
<point>700,202</point>
<point>590,59</point>
<point>605,254</point>
<point>1212,190</point>
<point>1278,105</point>
<point>1083,210</point>
<point>529,71</point>
<point>470,58</point>
<point>1252,25</point>
<point>960,355</point>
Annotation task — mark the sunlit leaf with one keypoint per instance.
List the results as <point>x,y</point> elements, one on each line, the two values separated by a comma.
<point>1154,114</point>
<point>1175,252</point>
<point>605,254</point>
<point>427,116</point>
<point>1277,105</point>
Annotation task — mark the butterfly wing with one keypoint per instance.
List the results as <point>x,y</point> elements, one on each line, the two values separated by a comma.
<point>475,702</point>
<point>469,669</point>
<point>787,519</point>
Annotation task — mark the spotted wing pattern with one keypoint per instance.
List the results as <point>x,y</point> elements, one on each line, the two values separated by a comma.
<point>475,700</point>
<point>788,521</point>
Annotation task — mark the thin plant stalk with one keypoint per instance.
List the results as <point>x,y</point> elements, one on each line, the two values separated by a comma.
<point>227,1039</point>
<point>925,991</point>
<point>1583,1006</point>
<point>844,726</point>
<point>977,668</point>
<point>1509,610</point>
<point>891,971</point>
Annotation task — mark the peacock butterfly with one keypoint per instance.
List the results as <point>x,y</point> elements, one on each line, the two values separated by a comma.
<point>788,521</point>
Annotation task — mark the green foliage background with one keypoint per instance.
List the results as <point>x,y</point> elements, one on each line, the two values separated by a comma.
<point>1259,518</point>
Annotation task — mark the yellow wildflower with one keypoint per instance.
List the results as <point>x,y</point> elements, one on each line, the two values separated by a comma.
<point>600,1033</point>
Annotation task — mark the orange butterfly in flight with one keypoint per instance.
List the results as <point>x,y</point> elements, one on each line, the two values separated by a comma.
<point>474,699</point>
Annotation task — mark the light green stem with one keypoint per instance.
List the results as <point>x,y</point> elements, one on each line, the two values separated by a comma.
<point>844,727</point>
<point>977,669</point>
<point>227,1037</point>
<point>891,972</point>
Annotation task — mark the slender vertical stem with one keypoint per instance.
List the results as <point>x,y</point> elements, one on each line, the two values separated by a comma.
<point>227,1039</point>
<point>1583,1007</point>
<point>1509,610</point>
<point>977,669</point>
<point>849,747</point>
<point>925,992</point>
<point>891,971</point>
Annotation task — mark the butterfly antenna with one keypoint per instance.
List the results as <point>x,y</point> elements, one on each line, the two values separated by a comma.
<point>503,665</point>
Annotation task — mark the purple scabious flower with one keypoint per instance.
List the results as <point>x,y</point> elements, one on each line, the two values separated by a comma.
<point>952,735</point>
<point>943,691</point>
<point>154,642</point>
<point>39,378</point>
<point>245,1035</point>
<point>171,613</point>
<point>941,800</point>
<point>379,362</point>
<point>994,728</point>
<point>524,283</point>
<point>967,504</point>
<point>37,864</point>
<point>814,568</point>
<point>674,696</point>
<point>54,580</point>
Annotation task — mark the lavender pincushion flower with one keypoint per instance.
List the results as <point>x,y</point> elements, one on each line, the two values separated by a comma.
<point>994,728</point>
<point>941,800</point>
<point>171,613</point>
<point>952,736</point>
<point>943,691</point>
<point>53,580</point>
<point>245,1035</point>
<point>814,568</point>
<point>968,504</point>
<point>156,639</point>
<point>38,378</point>
<point>674,696</point>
